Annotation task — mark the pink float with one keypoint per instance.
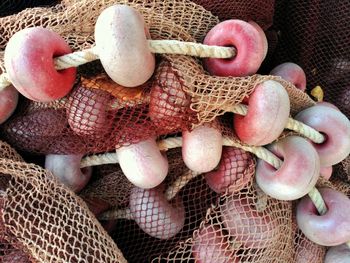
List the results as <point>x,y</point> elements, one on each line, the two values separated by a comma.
<point>8,102</point>
<point>248,43</point>
<point>298,173</point>
<point>154,214</point>
<point>87,112</point>
<point>264,42</point>
<point>338,254</point>
<point>202,148</point>
<point>268,112</point>
<point>336,128</point>
<point>121,40</point>
<point>330,229</point>
<point>246,225</point>
<point>291,72</point>
<point>67,170</point>
<point>143,164</point>
<point>31,51</point>
<point>211,245</point>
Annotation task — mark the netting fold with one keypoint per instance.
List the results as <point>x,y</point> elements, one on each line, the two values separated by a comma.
<point>43,221</point>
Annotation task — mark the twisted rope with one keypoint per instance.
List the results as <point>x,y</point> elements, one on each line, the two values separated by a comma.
<point>318,201</point>
<point>179,183</point>
<point>190,49</point>
<point>99,159</point>
<point>76,59</point>
<point>79,58</point>
<point>115,213</point>
<point>260,152</point>
<point>305,130</point>
<point>176,142</point>
<point>170,143</point>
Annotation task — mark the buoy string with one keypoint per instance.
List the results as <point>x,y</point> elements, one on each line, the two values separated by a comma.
<point>259,151</point>
<point>305,130</point>
<point>318,201</point>
<point>292,124</point>
<point>176,142</point>
<point>116,213</point>
<point>78,58</point>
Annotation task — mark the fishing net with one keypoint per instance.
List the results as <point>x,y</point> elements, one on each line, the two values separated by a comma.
<point>43,221</point>
<point>315,36</point>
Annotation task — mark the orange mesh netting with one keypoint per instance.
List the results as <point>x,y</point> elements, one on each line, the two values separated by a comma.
<point>43,221</point>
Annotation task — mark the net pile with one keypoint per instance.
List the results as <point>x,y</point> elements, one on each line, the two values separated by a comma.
<point>190,96</point>
<point>44,221</point>
<point>262,231</point>
<point>236,227</point>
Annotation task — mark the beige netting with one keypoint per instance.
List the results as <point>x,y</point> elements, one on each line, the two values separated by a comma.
<point>304,249</point>
<point>341,186</point>
<point>342,170</point>
<point>45,220</point>
<point>49,223</point>
<point>242,229</point>
<point>109,185</point>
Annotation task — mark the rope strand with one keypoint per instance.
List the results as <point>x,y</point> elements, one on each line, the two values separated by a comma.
<point>4,81</point>
<point>76,59</point>
<point>179,183</point>
<point>99,159</point>
<point>116,213</point>
<point>190,49</point>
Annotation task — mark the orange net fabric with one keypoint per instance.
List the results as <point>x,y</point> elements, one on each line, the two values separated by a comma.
<point>43,221</point>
